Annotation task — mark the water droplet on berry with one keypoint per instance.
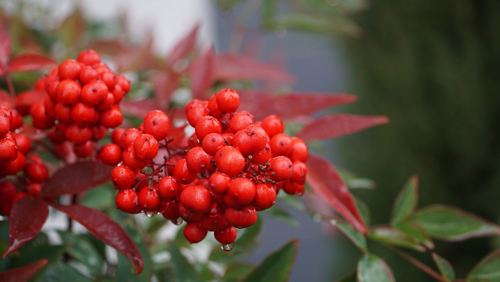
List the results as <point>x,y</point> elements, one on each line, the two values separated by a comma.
<point>149,213</point>
<point>179,221</point>
<point>227,247</point>
<point>300,194</point>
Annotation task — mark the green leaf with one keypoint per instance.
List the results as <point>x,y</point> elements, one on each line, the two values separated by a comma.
<point>349,278</point>
<point>373,269</point>
<point>125,271</point>
<point>355,182</point>
<point>487,270</point>
<point>277,266</point>
<point>282,215</point>
<point>100,198</point>
<point>417,232</point>
<point>318,24</point>
<point>291,201</point>
<point>394,237</point>
<point>364,210</point>
<point>180,240</point>
<point>80,249</point>
<point>452,224</point>
<point>235,272</point>
<point>444,267</point>
<point>62,273</point>
<point>268,10</point>
<point>183,270</point>
<point>35,253</point>
<point>353,235</point>
<point>406,202</point>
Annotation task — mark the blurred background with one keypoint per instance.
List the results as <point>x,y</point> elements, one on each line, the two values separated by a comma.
<point>432,67</point>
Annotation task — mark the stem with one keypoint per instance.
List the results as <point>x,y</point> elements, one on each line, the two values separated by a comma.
<point>420,265</point>
<point>11,89</point>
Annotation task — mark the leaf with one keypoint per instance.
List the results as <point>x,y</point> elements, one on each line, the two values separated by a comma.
<point>364,210</point>
<point>315,23</point>
<point>394,237</point>
<point>230,67</point>
<point>4,49</point>
<point>487,270</point>
<point>353,235</point>
<point>453,224</point>
<point>235,272</point>
<point>373,269</point>
<point>26,219</point>
<point>201,73</point>
<point>62,273</point>
<point>268,9</point>
<point>77,178</point>
<point>72,28</point>
<point>184,46</point>
<point>106,230</point>
<point>355,182</point>
<point>292,105</point>
<point>29,62</point>
<point>124,270</point>
<point>138,108</point>
<point>326,182</point>
<point>348,278</point>
<point>22,274</point>
<point>80,249</point>
<point>183,270</point>
<point>406,202</point>
<point>24,100</point>
<point>336,125</point>
<point>417,232</point>
<point>165,83</point>
<point>277,266</point>
<point>444,267</point>
<point>282,215</point>
<point>5,99</point>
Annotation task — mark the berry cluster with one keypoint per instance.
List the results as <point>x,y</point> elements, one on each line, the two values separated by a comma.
<point>234,168</point>
<point>82,103</point>
<point>14,150</point>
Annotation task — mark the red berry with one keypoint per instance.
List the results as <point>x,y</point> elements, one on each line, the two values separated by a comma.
<point>16,121</point>
<point>172,161</point>
<point>33,189</point>
<point>293,188</point>
<point>281,168</point>
<point>82,114</point>
<point>7,190</point>
<point>219,183</point>
<point>213,108</point>
<point>207,125</point>
<point>182,173</point>
<point>116,136</point>
<point>36,172</point>
<point>8,150</point>
<point>146,147</point>
<point>111,154</point>
<point>214,220</point>
<point>281,145</point>
<point>40,118</point>
<point>157,124</point>
<point>131,160</point>
<point>299,172</point>
<point>109,78</point>
<point>107,103</point>
<point>212,142</point>
<point>111,118</point>
<point>118,94</point>
<point>149,199</point>
<point>127,201</point>
<point>196,113</point>
<point>123,83</point>
<point>50,108</point>
<point>89,57</point>
<point>88,74</point>
<point>168,188</point>
<point>194,233</point>
<point>250,140</point>
<point>122,177</point>
<point>242,191</point>
<point>98,132</point>
<point>69,69</point>
<point>78,135</point>
<point>93,93</point>
<point>196,199</point>
<point>84,150</point>
<point>226,236</point>
<point>265,196</point>
<point>68,92</point>
<point>128,137</point>
<point>240,121</point>
<point>63,114</point>
<point>299,151</point>
<point>263,156</point>
<point>51,88</point>
<point>230,161</point>
<point>273,125</point>
<point>197,160</point>
<point>23,143</point>
<point>172,211</point>
<point>228,100</point>
<point>228,138</point>
<point>14,166</point>
<point>241,218</point>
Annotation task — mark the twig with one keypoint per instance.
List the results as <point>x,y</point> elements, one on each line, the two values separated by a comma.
<point>420,265</point>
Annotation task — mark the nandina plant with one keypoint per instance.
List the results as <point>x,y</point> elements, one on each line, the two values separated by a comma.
<point>61,144</point>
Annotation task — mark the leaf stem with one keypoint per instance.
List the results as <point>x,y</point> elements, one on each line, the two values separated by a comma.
<point>420,265</point>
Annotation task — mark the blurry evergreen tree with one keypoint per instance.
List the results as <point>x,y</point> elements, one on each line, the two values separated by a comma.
<point>433,67</point>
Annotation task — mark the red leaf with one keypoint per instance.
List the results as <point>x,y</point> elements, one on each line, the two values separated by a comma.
<point>292,105</point>
<point>29,62</point>
<point>25,99</point>
<point>22,274</point>
<point>238,67</point>
<point>183,47</point>
<point>325,181</point>
<point>202,73</point>
<point>76,178</point>
<point>135,57</point>
<point>26,219</point>
<point>4,49</point>
<point>165,84</point>
<point>5,99</point>
<point>139,108</point>
<point>106,230</point>
<point>336,125</point>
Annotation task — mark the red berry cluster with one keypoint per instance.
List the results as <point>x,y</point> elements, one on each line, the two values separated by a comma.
<point>82,103</point>
<point>14,150</point>
<point>234,168</point>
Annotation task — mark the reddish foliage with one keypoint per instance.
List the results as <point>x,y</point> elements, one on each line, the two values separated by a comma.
<point>325,181</point>
<point>335,125</point>
<point>76,178</point>
<point>165,84</point>
<point>138,108</point>
<point>26,219</point>
<point>25,99</point>
<point>5,99</point>
<point>202,73</point>
<point>29,62</point>
<point>4,49</point>
<point>22,274</point>
<point>292,105</point>
<point>106,230</point>
<point>183,47</point>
